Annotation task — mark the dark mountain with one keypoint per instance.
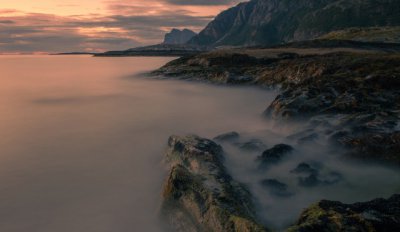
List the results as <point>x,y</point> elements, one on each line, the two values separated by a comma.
<point>179,36</point>
<point>175,44</point>
<point>267,22</point>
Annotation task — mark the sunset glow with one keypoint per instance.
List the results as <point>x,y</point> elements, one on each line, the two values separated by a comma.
<point>71,25</point>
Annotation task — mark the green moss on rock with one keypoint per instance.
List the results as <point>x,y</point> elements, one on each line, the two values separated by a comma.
<point>199,195</point>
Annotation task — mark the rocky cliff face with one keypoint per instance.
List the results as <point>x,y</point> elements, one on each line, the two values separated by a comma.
<point>179,36</point>
<point>199,195</point>
<point>266,22</point>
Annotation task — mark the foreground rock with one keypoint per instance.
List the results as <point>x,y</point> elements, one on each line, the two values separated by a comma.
<point>199,195</point>
<point>378,215</point>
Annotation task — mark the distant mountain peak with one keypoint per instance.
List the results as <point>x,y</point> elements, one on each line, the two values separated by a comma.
<point>177,36</point>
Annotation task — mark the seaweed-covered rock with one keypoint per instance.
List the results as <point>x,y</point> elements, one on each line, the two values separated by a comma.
<point>199,195</point>
<point>274,155</point>
<point>379,215</point>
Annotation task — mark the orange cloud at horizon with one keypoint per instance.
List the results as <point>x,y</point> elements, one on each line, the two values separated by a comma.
<point>57,7</point>
<point>101,7</point>
<point>73,25</point>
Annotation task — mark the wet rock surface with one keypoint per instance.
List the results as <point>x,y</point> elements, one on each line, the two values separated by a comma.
<point>346,101</point>
<point>354,96</point>
<point>274,156</point>
<point>328,216</point>
<point>199,195</point>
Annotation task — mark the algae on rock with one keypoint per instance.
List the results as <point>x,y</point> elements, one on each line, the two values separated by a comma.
<point>199,195</point>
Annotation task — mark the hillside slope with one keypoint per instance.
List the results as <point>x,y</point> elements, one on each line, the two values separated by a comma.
<point>268,22</point>
<point>366,34</point>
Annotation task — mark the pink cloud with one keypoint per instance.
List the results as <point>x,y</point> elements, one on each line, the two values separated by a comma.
<point>119,25</point>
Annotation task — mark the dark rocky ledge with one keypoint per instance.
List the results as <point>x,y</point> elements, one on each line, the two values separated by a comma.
<point>330,216</point>
<point>199,195</point>
<point>349,96</point>
<point>352,96</point>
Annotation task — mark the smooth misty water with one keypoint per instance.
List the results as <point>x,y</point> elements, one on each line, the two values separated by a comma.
<point>83,139</point>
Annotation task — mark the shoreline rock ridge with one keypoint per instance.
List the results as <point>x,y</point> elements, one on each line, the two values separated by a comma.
<point>199,194</point>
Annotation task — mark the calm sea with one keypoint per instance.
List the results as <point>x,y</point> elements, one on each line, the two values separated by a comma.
<point>82,139</point>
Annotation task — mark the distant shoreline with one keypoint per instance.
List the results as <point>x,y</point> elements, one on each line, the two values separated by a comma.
<point>72,53</point>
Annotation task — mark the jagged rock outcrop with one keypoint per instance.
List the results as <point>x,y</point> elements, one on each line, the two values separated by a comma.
<point>266,22</point>
<point>199,195</point>
<point>353,98</point>
<point>177,36</point>
<point>379,215</point>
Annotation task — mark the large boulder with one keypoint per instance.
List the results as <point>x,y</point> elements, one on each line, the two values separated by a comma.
<point>199,195</point>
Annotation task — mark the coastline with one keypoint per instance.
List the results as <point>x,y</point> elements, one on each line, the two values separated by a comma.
<point>347,96</point>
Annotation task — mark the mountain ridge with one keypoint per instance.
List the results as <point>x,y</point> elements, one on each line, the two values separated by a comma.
<point>270,22</point>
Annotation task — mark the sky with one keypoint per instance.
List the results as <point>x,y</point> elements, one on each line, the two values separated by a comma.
<point>48,26</point>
